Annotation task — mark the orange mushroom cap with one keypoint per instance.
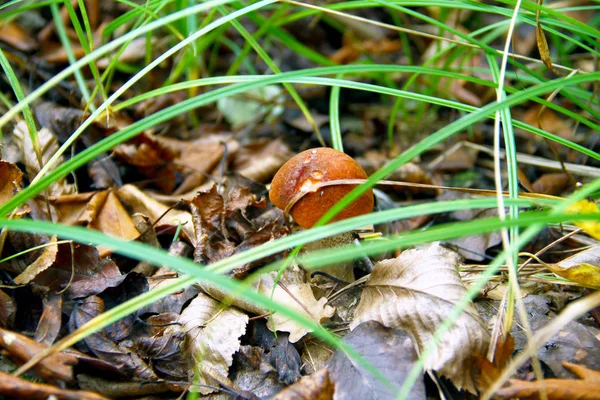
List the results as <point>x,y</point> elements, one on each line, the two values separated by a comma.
<point>313,166</point>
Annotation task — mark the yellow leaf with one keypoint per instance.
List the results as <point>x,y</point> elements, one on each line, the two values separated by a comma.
<point>583,267</point>
<point>592,228</point>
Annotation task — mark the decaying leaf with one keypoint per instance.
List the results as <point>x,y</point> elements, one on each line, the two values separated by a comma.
<point>18,388</point>
<point>490,371</point>
<point>212,334</point>
<point>49,146</point>
<point>42,263</point>
<point>10,180</point>
<point>8,310</point>
<point>416,292</point>
<point>259,161</point>
<point>587,388</point>
<point>317,386</point>
<point>295,292</point>
<point>583,267</point>
<point>391,351</point>
<point>279,353</point>
<point>50,321</point>
<point>22,349</point>
<point>103,344</point>
<point>140,202</point>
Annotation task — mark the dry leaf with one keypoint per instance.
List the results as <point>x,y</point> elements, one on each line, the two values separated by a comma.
<point>260,161</point>
<point>317,386</point>
<point>10,183</point>
<point>591,227</point>
<point>16,36</point>
<point>491,371</point>
<point>416,292</point>
<point>42,263</point>
<point>114,220</point>
<point>552,184</point>
<point>18,388</point>
<point>212,333</point>
<point>583,267</point>
<point>540,38</point>
<point>391,351</point>
<point>588,388</point>
<point>21,348</point>
<point>140,202</point>
<point>48,145</point>
<point>8,310</point>
<point>294,292</point>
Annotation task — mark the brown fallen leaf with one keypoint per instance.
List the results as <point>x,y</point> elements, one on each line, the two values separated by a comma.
<point>140,202</point>
<point>16,36</point>
<point>10,180</point>
<point>586,388</point>
<point>317,386</point>
<point>415,292</point>
<point>552,184</point>
<point>51,319</point>
<point>21,348</point>
<point>490,371</point>
<point>18,388</point>
<point>8,310</point>
<point>540,38</point>
<point>42,263</point>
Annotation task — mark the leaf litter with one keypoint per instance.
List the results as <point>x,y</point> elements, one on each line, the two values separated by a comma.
<point>197,185</point>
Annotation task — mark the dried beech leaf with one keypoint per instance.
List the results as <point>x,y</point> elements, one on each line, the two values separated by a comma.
<point>415,292</point>
<point>317,386</point>
<point>10,180</point>
<point>583,267</point>
<point>49,146</point>
<point>212,334</point>
<point>391,351</point>
<point>140,202</point>
<point>295,292</point>
<point>42,263</point>
<point>587,388</point>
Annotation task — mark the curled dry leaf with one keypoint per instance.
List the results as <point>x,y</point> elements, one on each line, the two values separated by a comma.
<point>140,202</point>
<point>583,267</point>
<point>10,180</point>
<point>212,333</point>
<point>294,292</point>
<point>317,386</point>
<point>587,388</point>
<point>42,263</point>
<point>22,349</point>
<point>416,292</point>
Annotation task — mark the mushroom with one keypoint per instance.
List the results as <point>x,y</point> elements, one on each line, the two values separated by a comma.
<point>302,175</point>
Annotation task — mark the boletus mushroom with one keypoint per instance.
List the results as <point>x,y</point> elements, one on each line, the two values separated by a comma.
<point>304,172</point>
